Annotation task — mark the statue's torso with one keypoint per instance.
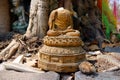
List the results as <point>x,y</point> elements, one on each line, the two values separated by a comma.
<point>63,20</point>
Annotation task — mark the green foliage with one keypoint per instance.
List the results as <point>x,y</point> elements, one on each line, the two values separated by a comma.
<point>108,19</point>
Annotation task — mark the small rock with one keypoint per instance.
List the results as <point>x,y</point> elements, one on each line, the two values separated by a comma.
<point>87,68</point>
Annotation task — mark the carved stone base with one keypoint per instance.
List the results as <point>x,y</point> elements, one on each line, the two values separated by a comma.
<point>69,67</point>
<point>63,41</point>
<point>60,59</point>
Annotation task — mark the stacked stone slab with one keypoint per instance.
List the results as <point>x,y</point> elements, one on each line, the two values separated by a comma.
<point>61,53</point>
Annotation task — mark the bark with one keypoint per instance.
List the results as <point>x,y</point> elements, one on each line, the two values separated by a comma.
<point>60,3</point>
<point>4,51</point>
<point>68,5</point>
<point>53,4</point>
<point>12,51</point>
<point>38,21</point>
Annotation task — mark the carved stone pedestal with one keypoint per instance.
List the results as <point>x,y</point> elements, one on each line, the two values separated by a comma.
<point>61,54</point>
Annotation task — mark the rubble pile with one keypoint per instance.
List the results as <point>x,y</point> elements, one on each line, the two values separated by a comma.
<point>26,61</point>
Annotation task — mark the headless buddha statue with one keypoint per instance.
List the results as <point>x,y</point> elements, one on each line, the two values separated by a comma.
<point>60,23</point>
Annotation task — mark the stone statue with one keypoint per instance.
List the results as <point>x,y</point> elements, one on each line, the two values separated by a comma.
<point>60,23</point>
<point>19,25</point>
<point>62,51</point>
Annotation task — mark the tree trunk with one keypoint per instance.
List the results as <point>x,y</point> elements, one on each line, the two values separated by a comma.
<point>38,21</point>
<point>4,16</point>
<point>60,3</point>
<point>68,5</point>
